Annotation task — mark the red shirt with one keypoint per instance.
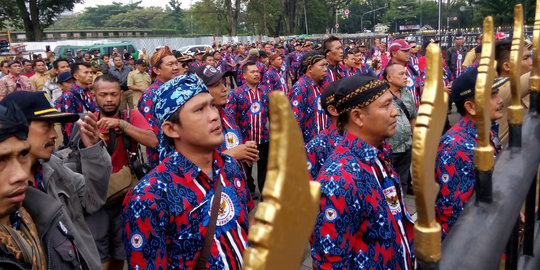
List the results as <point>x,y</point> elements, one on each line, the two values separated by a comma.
<point>28,75</point>
<point>119,157</point>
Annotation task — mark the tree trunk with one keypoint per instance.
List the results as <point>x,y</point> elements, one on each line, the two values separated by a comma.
<point>234,21</point>
<point>34,17</point>
<point>26,20</point>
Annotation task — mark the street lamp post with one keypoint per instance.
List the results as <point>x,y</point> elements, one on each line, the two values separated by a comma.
<point>362,17</point>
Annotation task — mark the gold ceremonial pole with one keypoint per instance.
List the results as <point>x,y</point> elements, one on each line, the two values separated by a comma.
<point>286,217</point>
<point>427,133</point>
<point>515,110</point>
<point>483,153</point>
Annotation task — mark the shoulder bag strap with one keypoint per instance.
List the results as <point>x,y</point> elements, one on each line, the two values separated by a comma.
<point>209,237</point>
<point>401,105</point>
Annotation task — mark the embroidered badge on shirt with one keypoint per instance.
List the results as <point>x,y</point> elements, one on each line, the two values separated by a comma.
<point>445,177</point>
<point>136,241</point>
<point>392,200</point>
<point>255,107</point>
<point>226,210</point>
<point>330,214</point>
<point>231,140</point>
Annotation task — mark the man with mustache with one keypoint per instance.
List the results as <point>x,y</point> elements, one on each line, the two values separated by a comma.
<point>333,51</point>
<point>60,198</point>
<point>20,247</point>
<point>363,222</point>
<point>122,130</point>
<point>191,211</point>
<point>165,66</point>
<point>247,106</point>
<point>454,170</point>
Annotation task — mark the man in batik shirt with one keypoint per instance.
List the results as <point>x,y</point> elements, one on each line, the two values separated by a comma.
<point>294,61</point>
<point>401,54</point>
<point>362,222</point>
<point>320,147</point>
<point>333,51</point>
<point>79,98</point>
<point>273,77</point>
<point>305,96</point>
<point>164,67</point>
<point>247,106</point>
<point>455,55</point>
<point>454,168</point>
<point>214,80</point>
<point>167,214</point>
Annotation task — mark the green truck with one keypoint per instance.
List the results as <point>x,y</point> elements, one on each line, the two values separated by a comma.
<point>96,49</point>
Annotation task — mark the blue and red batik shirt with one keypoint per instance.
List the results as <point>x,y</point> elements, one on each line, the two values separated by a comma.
<point>305,99</point>
<point>76,100</point>
<point>230,131</point>
<point>260,66</point>
<point>166,215</point>
<point>362,222</point>
<point>320,148</point>
<point>294,60</point>
<point>146,108</point>
<point>249,110</point>
<point>335,74</point>
<point>275,80</point>
<point>454,170</point>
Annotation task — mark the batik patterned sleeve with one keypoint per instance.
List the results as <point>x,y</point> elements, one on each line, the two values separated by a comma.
<point>231,111</point>
<point>454,172</point>
<point>297,98</point>
<point>65,104</point>
<point>315,157</point>
<point>338,221</point>
<point>144,234</point>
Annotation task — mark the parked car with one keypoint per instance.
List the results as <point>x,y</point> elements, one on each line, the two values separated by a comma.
<point>192,49</point>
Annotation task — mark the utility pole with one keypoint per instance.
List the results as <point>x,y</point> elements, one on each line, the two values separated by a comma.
<point>305,17</point>
<point>440,15</point>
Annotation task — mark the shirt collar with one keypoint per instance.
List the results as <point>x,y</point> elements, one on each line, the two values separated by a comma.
<point>364,151</point>
<point>179,165</point>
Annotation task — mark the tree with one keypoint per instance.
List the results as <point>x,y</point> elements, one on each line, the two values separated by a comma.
<point>34,15</point>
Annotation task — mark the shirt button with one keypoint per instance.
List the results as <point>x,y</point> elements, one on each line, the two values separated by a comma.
<point>70,253</point>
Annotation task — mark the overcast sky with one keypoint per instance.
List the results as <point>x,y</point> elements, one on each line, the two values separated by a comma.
<point>144,3</point>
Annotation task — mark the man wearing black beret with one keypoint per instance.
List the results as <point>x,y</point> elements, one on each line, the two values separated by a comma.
<point>363,222</point>
<point>454,168</point>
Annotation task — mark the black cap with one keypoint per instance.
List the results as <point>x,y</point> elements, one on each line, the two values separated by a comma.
<point>36,106</point>
<point>463,86</point>
<point>359,91</point>
<point>210,75</point>
<point>64,77</point>
<point>140,62</point>
<point>328,95</point>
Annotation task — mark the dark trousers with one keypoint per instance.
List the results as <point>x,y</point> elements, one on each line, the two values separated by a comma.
<point>261,168</point>
<point>402,165</point>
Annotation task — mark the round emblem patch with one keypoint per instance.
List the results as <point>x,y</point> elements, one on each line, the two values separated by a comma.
<point>226,210</point>
<point>410,82</point>
<point>319,105</point>
<point>309,165</point>
<point>445,177</point>
<point>136,241</point>
<point>330,214</point>
<point>459,57</point>
<point>282,80</point>
<point>238,183</point>
<point>255,107</point>
<point>146,109</point>
<point>231,140</point>
<point>295,103</point>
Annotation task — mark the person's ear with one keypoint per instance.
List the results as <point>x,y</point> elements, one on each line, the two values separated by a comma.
<point>506,67</point>
<point>332,110</point>
<point>357,116</point>
<point>171,130</point>
<point>470,107</point>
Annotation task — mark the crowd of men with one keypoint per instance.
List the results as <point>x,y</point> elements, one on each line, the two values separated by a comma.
<point>97,201</point>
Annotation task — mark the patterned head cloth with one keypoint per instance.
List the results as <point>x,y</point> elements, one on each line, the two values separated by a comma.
<point>309,59</point>
<point>358,91</point>
<point>159,55</point>
<point>170,97</point>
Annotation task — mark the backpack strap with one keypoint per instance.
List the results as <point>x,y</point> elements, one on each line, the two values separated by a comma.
<point>401,105</point>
